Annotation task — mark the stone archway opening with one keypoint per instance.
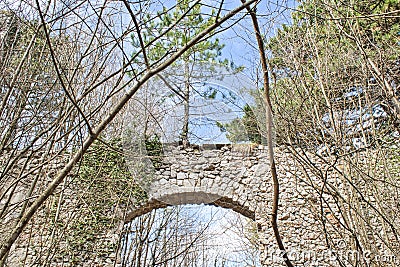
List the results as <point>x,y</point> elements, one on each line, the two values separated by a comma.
<point>191,235</point>
<point>192,198</point>
<point>222,175</point>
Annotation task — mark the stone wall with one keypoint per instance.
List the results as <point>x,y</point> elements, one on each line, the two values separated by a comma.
<point>236,177</point>
<point>224,177</point>
<point>61,231</point>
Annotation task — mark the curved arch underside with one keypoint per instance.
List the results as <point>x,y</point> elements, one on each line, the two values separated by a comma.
<point>230,177</point>
<point>191,198</point>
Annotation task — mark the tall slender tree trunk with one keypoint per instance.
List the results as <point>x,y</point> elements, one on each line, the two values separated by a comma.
<point>269,124</point>
<point>185,128</point>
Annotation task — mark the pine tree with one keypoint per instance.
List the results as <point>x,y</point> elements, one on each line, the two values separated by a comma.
<point>186,21</point>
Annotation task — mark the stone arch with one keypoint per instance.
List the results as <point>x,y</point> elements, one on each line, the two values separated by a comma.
<point>237,177</point>
<point>192,198</point>
<point>234,177</point>
<point>228,176</point>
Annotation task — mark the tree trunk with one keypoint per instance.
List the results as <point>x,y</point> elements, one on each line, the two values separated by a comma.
<point>185,128</point>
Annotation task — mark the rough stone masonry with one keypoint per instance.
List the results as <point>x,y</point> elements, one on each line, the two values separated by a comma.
<point>236,177</point>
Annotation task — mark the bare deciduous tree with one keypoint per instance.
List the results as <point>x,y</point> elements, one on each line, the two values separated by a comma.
<point>63,92</point>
